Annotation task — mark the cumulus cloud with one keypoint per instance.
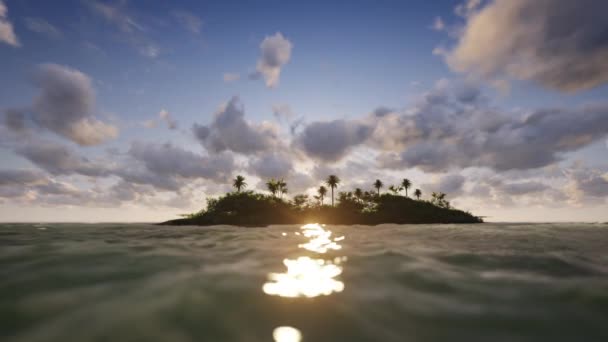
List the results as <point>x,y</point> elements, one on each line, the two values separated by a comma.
<point>587,184</point>
<point>451,184</point>
<point>43,27</point>
<point>229,131</point>
<point>7,34</point>
<point>60,160</point>
<point>561,44</point>
<point>167,160</point>
<point>15,120</point>
<point>271,165</point>
<point>275,53</point>
<point>447,130</point>
<point>332,140</point>
<point>66,105</point>
<point>18,176</point>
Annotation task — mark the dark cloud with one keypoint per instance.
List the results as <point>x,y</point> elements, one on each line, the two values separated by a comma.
<point>271,165</point>
<point>448,131</point>
<point>15,120</point>
<point>14,176</point>
<point>561,44</point>
<point>229,131</point>
<point>330,141</point>
<point>167,160</point>
<point>451,184</point>
<point>60,160</point>
<point>66,106</point>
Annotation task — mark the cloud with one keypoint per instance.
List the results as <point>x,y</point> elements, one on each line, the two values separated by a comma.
<point>275,53</point>
<point>42,26</point>
<point>168,160</point>
<point>20,176</point>
<point>451,184</point>
<point>271,165</point>
<point>60,160</point>
<point>132,32</point>
<point>7,34</point>
<point>66,106</point>
<point>330,141</point>
<point>188,20</point>
<point>587,184</point>
<point>168,119</point>
<point>15,120</point>
<point>560,44</point>
<point>231,77</point>
<point>448,130</point>
<point>229,131</point>
<point>438,24</point>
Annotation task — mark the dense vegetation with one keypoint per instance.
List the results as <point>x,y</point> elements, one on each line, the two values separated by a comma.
<point>248,208</point>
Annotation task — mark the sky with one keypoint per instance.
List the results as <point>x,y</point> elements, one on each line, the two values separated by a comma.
<point>137,111</point>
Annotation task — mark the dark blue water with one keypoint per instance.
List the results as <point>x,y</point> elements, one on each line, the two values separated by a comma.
<point>132,282</point>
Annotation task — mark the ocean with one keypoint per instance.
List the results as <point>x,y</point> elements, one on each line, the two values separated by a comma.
<point>142,282</point>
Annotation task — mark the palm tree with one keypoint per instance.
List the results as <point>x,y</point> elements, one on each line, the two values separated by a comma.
<point>358,193</point>
<point>394,189</point>
<point>333,182</point>
<point>322,192</point>
<point>272,186</point>
<point>378,184</point>
<point>406,185</point>
<point>418,193</point>
<point>281,187</point>
<point>239,183</point>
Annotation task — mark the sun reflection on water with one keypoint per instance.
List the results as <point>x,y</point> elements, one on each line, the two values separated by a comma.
<point>306,276</point>
<point>286,334</point>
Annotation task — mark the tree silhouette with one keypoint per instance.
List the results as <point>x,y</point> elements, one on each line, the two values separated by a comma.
<point>272,186</point>
<point>406,185</point>
<point>333,182</point>
<point>281,187</point>
<point>394,189</point>
<point>239,183</point>
<point>417,193</point>
<point>322,191</point>
<point>378,184</point>
<point>359,194</point>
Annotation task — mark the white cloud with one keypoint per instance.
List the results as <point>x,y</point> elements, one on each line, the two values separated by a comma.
<point>7,33</point>
<point>275,53</point>
<point>42,26</point>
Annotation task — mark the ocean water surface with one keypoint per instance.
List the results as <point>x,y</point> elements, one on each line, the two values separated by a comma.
<point>140,282</point>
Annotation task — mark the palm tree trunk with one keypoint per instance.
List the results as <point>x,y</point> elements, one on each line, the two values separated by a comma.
<point>332,196</point>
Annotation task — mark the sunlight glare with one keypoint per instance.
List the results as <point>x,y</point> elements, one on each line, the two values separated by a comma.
<point>286,334</point>
<point>320,239</point>
<point>305,277</point>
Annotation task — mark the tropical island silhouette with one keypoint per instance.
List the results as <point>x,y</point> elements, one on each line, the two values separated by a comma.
<point>249,208</point>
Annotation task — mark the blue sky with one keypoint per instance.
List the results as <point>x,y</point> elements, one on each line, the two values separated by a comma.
<point>345,60</point>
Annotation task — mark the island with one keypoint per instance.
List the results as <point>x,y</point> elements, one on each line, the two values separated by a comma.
<point>253,209</point>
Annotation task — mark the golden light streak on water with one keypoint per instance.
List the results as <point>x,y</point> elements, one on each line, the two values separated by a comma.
<point>286,334</point>
<point>306,276</point>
